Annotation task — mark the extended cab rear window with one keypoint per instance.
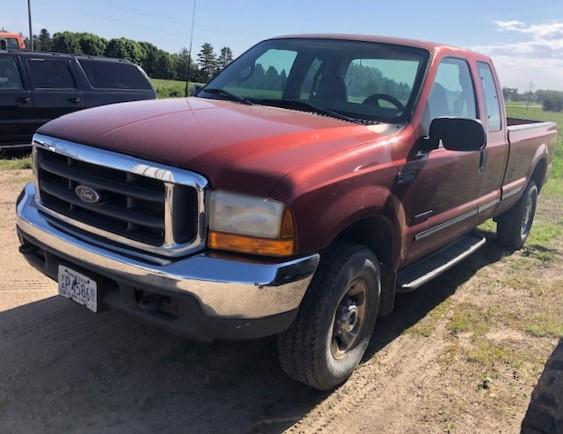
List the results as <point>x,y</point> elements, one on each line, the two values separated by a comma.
<point>491,97</point>
<point>114,75</point>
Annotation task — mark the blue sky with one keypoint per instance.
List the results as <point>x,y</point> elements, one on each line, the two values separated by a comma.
<point>524,37</point>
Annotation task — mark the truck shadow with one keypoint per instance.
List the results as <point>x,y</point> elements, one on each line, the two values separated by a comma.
<point>545,413</point>
<point>412,307</point>
<point>89,373</point>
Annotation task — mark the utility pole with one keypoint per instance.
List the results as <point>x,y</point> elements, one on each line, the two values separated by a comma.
<point>187,91</point>
<point>30,26</point>
<point>530,95</point>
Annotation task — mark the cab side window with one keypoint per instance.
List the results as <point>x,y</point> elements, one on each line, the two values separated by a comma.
<point>9,74</point>
<point>453,93</point>
<point>491,97</point>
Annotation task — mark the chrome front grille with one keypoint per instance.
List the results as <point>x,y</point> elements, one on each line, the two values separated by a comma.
<point>140,204</point>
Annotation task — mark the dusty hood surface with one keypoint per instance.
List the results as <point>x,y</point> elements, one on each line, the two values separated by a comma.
<point>224,141</point>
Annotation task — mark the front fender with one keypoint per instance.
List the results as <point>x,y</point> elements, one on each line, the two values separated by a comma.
<point>322,221</point>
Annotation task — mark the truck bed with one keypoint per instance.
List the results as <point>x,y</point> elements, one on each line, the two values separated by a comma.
<point>527,138</point>
<point>517,121</point>
<point>522,129</point>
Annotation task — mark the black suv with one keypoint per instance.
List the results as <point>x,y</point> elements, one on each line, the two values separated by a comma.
<point>38,87</point>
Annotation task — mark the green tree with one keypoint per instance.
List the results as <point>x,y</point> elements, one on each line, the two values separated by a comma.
<point>225,57</point>
<point>164,65</point>
<point>510,94</point>
<point>127,49</point>
<point>92,45</point>
<point>149,54</point>
<point>182,65</point>
<point>207,61</point>
<point>553,102</point>
<point>44,41</point>
<point>66,42</point>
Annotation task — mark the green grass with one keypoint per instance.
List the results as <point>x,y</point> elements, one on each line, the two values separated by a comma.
<point>522,104</point>
<point>534,112</point>
<point>543,233</point>
<point>469,318</point>
<point>490,355</point>
<point>426,326</point>
<point>16,164</point>
<point>546,326</point>
<point>171,88</point>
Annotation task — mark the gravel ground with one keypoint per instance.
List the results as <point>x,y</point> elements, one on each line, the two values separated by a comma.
<point>429,369</point>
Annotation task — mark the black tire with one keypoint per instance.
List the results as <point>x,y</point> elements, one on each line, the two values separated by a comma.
<point>514,226</point>
<point>310,350</point>
<point>545,413</point>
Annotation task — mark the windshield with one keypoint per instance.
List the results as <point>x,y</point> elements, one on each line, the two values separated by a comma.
<point>352,80</point>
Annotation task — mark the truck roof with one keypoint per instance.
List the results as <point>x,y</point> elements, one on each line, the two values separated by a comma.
<point>10,35</point>
<point>25,52</point>
<point>426,45</point>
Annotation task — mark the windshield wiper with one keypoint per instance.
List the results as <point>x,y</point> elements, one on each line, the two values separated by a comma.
<point>308,107</point>
<point>228,94</point>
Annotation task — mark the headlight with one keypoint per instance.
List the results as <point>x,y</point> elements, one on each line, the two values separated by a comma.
<point>249,224</point>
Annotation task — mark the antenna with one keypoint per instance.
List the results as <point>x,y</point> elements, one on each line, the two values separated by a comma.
<point>187,91</point>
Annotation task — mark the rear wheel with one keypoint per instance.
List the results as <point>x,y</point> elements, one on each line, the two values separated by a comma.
<point>514,226</point>
<point>332,330</point>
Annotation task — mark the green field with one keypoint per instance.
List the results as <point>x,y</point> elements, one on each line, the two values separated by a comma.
<point>171,88</point>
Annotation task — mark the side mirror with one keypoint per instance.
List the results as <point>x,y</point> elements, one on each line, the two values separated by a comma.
<point>197,88</point>
<point>3,45</point>
<point>457,134</point>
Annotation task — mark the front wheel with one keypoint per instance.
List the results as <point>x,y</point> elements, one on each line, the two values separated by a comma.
<point>514,226</point>
<point>333,327</point>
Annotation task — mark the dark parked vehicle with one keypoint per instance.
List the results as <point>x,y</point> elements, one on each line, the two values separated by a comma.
<point>38,87</point>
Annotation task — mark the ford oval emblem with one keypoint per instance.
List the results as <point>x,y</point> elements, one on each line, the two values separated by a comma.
<point>87,194</point>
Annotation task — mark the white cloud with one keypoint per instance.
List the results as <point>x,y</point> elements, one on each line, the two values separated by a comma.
<point>510,25</point>
<point>537,57</point>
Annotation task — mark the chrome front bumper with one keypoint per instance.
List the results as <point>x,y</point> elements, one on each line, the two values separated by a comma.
<point>223,286</point>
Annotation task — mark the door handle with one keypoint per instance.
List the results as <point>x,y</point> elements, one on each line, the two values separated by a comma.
<point>25,99</point>
<point>483,160</point>
<point>74,99</point>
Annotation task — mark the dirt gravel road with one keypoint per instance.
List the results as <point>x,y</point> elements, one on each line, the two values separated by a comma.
<point>454,357</point>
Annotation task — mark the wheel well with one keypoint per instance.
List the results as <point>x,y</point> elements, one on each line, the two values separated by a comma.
<point>373,233</point>
<point>377,235</point>
<point>538,176</point>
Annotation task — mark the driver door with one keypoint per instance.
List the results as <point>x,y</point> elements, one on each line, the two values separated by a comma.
<point>448,182</point>
<point>16,114</point>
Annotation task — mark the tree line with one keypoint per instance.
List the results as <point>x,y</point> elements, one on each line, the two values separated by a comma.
<point>156,62</point>
<point>550,100</point>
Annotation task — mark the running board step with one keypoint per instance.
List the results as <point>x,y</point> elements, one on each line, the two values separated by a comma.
<point>430,267</point>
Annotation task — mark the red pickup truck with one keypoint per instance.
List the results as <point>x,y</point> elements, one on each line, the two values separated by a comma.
<point>307,184</point>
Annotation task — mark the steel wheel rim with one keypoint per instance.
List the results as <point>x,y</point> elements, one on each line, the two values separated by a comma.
<point>349,318</point>
<point>526,220</point>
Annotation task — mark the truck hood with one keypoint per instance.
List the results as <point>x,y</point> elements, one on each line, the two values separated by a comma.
<point>238,147</point>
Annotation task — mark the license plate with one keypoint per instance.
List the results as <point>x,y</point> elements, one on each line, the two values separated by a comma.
<point>78,287</point>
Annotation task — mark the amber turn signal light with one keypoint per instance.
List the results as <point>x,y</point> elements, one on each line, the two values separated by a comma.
<point>283,246</point>
<point>251,245</point>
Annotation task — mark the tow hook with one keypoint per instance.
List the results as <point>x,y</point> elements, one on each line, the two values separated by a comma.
<point>150,303</point>
<point>28,249</point>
